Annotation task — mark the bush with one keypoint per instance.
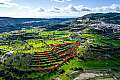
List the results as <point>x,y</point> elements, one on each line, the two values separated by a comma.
<point>61,71</point>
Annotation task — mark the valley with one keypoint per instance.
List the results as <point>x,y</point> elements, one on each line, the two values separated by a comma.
<point>80,49</point>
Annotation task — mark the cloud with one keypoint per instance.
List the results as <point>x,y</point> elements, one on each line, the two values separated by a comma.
<point>56,8</point>
<point>68,0</point>
<point>111,8</point>
<point>115,7</point>
<point>69,9</point>
<point>77,9</point>
<point>85,9</point>
<point>7,3</point>
<point>3,1</point>
<point>73,9</point>
<point>55,11</point>
<point>17,10</point>
<point>41,10</point>
<point>60,0</point>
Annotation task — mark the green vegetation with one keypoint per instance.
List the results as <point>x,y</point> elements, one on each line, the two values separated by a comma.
<point>31,39</point>
<point>96,52</point>
<point>106,17</point>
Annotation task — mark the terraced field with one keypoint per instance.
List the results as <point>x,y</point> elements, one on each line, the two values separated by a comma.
<point>48,49</point>
<point>50,60</point>
<point>43,55</point>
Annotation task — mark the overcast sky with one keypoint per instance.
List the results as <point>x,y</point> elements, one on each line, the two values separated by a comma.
<point>56,8</point>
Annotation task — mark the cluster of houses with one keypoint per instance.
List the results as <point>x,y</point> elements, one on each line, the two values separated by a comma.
<point>98,25</point>
<point>107,28</point>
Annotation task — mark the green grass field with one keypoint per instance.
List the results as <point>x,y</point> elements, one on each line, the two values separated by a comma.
<point>31,41</point>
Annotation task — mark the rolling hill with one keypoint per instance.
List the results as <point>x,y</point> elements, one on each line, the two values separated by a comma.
<point>106,17</point>
<point>9,24</point>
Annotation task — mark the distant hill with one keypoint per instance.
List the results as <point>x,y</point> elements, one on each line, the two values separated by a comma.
<point>9,24</point>
<point>103,23</point>
<point>113,18</point>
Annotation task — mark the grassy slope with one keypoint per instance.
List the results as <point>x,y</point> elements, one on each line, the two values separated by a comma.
<point>91,39</point>
<point>92,64</point>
